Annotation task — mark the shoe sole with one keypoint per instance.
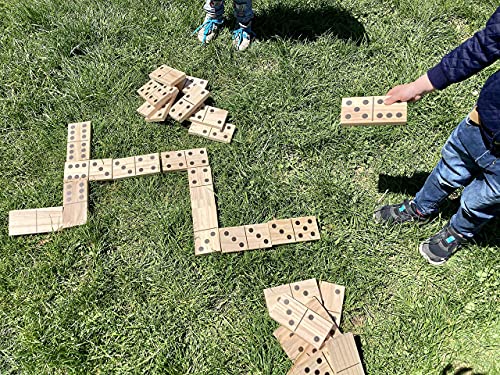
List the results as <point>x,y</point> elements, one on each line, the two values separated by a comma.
<point>426,257</point>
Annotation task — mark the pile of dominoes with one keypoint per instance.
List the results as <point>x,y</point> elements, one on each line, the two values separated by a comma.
<point>309,316</point>
<point>171,93</point>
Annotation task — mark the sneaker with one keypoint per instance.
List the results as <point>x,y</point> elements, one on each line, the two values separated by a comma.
<point>440,247</point>
<point>208,29</point>
<point>242,36</point>
<point>399,213</point>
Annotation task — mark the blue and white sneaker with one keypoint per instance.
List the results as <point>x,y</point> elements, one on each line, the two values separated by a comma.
<point>243,36</point>
<point>440,247</point>
<point>208,29</point>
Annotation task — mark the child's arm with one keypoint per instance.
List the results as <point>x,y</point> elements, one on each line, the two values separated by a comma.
<point>475,54</point>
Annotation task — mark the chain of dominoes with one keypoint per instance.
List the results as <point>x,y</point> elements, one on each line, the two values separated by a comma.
<point>309,317</point>
<point>161,94</point>
<point>372,110</point>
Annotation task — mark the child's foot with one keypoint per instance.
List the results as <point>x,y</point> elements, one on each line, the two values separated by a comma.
<point>399,213</point>
<point>440,247</point>
<point>208,29</point>
<point>242,36</point>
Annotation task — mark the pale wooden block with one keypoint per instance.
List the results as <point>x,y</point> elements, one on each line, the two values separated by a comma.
<point>124,167</point>
<point>167,75</point>
<point>258,236</point>
<point>75,191</point>
<point>291,344</point>
<point>225,135</point>
<point>306,228</point>
<point>161,112</point>
<point>314,329</point>
<point>333,298</point>
<point>316,363</point>
<point>173,161</point>
<point>76,170</point>
<point>22,222</point>
<point>199,130</point>
<point>203,208</point>
<point>233,239</point>
<point>156,94</point>
<point>288,312</point>
<point>197,96</point>
<point>207,241</point>
<point>191,82</point>
<point>75,214</point>
<point>49,219</point>
<point>344,355</point>
<point>100,169</point>
<point>200,176</point>
<point>147,164</point>
<point>77,151</point>
<point>196,157</point>
<point>394,114</point>
<point>79,131</point>
<point>182,110</point>
<point>146,109</point>
<point>215,117</point>
<point>357,111</point>
<point>198,116</point>
<point>281,231</point>
<point>273,295</point>
<point>304,291</point>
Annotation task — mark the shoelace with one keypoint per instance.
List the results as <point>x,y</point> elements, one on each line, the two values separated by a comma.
<point>209,26</point>
<point>241,33</point>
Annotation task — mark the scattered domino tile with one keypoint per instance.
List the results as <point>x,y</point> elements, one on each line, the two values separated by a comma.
<point>344,355</point>
<point>314,328</point>
<point>173,161</point>
<point>79,131</point>
<point>100,169</point>
<point>49,219</point>
<point>191,82</point>
<point>199,130</point>
<point>233,239</point>
<point>215,117</point>
<point>147,164</point>
<point>304,291</point>
<point>274,294</point>
<point>161,112</point>
<point>198,116</point>
<point>288,312</point>
<point>196,157</point>
<point>188,104</point>
<point>124,167</point>
<point>357,111</point>
<point>305,228</point>
<point>155,93</point>
<point>75,203</point>
<point>203,208</point>
<point>200,176</point>
<point>77,151</point>
<point>316,363</point>
<point>394,114</point>
<point>258,236</point>
<point>225,135</point>
<point>77,170</point>
<point>22,222</point>
<point>281,231</point>
<point>146,109</point>
<point>333,298</point>
<point>167,75</point>
<point>206,241</point>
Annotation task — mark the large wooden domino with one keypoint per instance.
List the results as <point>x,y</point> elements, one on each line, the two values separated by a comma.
<point>77,151</point>
<point>173,161</point>
<point>123,167</point>
<point>207,241</point>
<point>394,114</point>
<point>199,176</point>
<point>22,222</point>
<point>188,104</point>
<point>101,170</point>
<point>167,75</point>
<point>76,170</point>
<point>344,355</point>
<point>147,164</point>
<point>224,135</point>
<point>233,239</point>
<point>281,231</point>
<point>333,298</point>
<point>274,294</point>
<point>156,94</point>
<point>79,131</point>
<point>306,290</point>
<point>161,112</point>
<point>317,363</point>
<point>258,236</point>
<point>196,157</point>
<point>191,82</point>
<point>305,228</point>
<point>203,207</point>
<point>371,110</point>
<point>75,204</point>
<point>49,219</point>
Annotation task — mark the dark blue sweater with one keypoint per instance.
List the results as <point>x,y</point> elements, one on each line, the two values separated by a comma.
<point>475,54</point>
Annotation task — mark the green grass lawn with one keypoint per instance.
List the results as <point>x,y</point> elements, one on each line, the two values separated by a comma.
<point>125,293</point>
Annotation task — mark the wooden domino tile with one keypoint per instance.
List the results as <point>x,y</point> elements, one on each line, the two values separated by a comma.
<point>281,231</point>
<point>316,363</point>
<point>167,75</point>
<point>77,151</point>
<point>258,236</point>
<point>75,203</point>
<point>22,222</point>
<point>200,176</point>
<point>215,117</point>
<point>76,170</point>
<point>156,94</point>
<point>161,112</point>
<point>314,329</point>
<point>49,219</point>
<point>199,130</point>
<point>191,82</point>
<point>203,207</point>
<point>357,111</point>
<point>100,169</point>
<point>147,164</point>
<point>291,344</point>
<point>288,312</point>
<point>79,131</point>
<point>146,109</point>
<point>233,239</point>
<point>197,96</point>
<point>198,116</point>
<point>173,161</point>
<point>344,355</point>
<point>304,291</point>
<point>333,298</point>
<point>225,135</point>
<point>207,241</point>
<point>394,114</point>
<point>188,104</point>
<point>305,228</point>
<point>196,157</point>
<point>124,167</point>
<point>273,295</point>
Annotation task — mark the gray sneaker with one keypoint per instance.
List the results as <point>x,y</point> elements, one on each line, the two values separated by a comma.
<point>440,247</point>
<point>399,213</point>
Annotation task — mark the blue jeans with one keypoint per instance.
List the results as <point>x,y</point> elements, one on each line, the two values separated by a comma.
<point>242,9</point>
<point>465,162</point>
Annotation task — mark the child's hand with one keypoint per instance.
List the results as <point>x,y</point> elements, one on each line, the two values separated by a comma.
<point>410,92</point>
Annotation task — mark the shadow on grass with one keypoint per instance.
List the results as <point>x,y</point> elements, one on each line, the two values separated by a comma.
<point>459,371</point>
<point>307,24</point>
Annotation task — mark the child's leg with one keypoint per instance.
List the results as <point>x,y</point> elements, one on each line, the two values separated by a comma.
<point>214,8</point>
<point>243,11</point>
<point>456,168</point>
<point>242,35</point>
<point>213,20</point>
